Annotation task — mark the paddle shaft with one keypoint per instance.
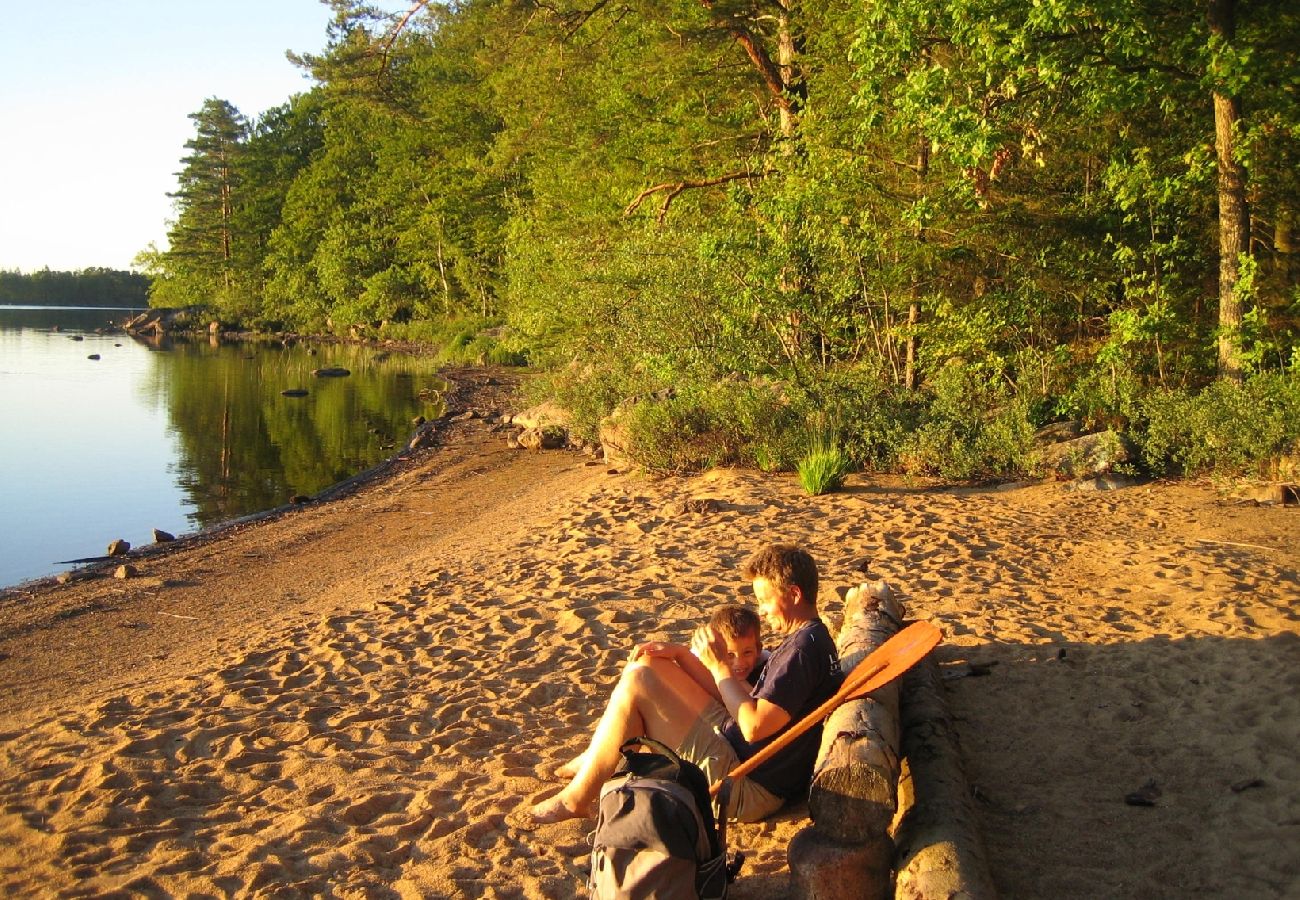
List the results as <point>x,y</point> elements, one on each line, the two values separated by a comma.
<point>856,680</point>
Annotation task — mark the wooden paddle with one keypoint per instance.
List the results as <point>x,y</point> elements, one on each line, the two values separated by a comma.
<point>888,661</point>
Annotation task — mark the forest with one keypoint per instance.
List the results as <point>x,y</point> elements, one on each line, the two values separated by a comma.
<point>894,236</point>
<point>107,288</point>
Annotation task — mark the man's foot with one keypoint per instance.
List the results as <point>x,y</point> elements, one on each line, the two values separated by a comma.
<point>548,812</point>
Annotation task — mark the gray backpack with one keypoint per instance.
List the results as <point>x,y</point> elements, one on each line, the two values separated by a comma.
<point>656,835</point>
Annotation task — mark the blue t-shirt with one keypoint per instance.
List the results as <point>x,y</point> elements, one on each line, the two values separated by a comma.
<point>801,675</point>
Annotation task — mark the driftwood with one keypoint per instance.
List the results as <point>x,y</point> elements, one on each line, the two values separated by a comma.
<point>855,782</point>
<point>939,850</point>
<point>829,870</point>
<point>852,800</point>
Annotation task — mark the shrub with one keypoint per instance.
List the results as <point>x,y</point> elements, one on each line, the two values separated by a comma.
<point>975,427</point>
<point>1227,429</point>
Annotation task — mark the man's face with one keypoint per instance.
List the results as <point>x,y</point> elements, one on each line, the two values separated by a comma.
<point>774,604</point>
<point>742,655</point>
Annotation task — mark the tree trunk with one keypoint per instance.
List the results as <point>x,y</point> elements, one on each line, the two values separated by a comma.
<point>846,850</point>
<point>939,849</point>
<point>914,308</point>
<point>1234,215</point>
<point>854,788</point>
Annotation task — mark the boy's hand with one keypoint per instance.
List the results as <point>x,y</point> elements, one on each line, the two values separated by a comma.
<point>655,650</point>
<point>710,647</point>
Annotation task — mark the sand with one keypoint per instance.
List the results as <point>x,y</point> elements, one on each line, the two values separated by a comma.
<point>350,700</point>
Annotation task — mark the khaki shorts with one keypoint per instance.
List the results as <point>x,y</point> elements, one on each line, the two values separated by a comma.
<point>705,746</point>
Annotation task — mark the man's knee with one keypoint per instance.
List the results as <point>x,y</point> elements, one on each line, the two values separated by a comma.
<point>645,675</point>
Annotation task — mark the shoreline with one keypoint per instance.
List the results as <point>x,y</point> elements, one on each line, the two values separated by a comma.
<point>353,696</point>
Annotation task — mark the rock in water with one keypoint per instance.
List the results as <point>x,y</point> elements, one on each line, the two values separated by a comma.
<point>331,372</point>
<point>293,392</point>
<point>93,356</point>
<point>118,547</point>
<point>162,537</point>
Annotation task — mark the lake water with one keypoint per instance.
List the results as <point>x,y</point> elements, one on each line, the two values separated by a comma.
<point>177,436</point>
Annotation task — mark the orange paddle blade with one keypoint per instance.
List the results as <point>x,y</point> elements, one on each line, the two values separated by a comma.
<point>890,660</point>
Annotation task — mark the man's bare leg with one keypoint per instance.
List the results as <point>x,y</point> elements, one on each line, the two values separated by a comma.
<point>653,697</point>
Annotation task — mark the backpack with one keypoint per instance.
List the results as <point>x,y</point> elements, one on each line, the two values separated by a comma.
<point>656,835</point>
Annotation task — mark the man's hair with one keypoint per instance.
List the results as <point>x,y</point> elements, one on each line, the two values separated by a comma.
<point>736,622</point>
<point>785,565</point>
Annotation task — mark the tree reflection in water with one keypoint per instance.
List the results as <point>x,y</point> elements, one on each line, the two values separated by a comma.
<point>244,447</point>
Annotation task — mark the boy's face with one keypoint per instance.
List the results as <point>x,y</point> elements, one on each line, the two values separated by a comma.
<point>742,654</point>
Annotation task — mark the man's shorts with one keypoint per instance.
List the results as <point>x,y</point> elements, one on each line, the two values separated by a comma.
<point>705,746</point>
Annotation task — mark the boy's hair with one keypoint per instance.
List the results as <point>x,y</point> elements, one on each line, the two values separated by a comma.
<point>785,565</point>
<point>736,622</point>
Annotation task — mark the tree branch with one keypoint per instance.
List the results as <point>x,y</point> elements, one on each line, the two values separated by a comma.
<point>767,70</point>
<point>673,188</point>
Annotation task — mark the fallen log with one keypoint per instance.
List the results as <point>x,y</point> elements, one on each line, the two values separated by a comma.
<point>829,870</point>
<point>939,852</point>
<point>853,797</point>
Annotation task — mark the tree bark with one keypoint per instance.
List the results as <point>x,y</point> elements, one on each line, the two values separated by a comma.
<point>1234,215</point>
<point>846,851</point>
<point>853,795</point>
<point>824,869</point>
<point>939,849</point>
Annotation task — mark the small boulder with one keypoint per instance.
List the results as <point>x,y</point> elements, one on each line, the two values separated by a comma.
<point>1057,432</point>
<point>549,437</point>
<point>331,372</point>
<point>162,537</point>
<point>124,572</point>
<point>93,356</point>
<point>541,415</point>
<point>293,392</point>
<point>119,547</point>
<point>1090,456</point>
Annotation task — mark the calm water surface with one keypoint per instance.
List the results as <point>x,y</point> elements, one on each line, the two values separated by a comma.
<point>179,436</point>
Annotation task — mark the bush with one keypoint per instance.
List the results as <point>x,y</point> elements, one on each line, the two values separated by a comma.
<point>1227,429</point>
<point>975,427</point>
<point>729,422</point>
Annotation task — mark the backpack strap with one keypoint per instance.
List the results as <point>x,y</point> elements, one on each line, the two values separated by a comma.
<point>650,744</point>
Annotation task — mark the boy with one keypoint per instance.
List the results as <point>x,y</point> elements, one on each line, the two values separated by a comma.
<point>737,627</point>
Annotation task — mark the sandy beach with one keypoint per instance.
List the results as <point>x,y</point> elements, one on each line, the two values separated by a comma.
<point>349,699</point>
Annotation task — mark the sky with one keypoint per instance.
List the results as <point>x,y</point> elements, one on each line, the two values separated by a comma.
<point>94,103</point>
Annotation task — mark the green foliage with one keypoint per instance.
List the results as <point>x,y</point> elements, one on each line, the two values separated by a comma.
<point>975,428</point>
<point>1227,429</point>
<point>825,465</point>
<point>949,222</point>
<point>85,287</point>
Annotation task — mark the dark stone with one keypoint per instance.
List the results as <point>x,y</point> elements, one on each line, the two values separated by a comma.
<point>162,537</point>
<point>76,337</point>
<point>93,356</point>
<point>331,372</point>
<point>299,499</point>
<point>119,547</point>
<point>293,392</point>
<point>1145,795</point>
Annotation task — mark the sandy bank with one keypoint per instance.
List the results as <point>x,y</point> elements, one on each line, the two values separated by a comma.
<point>347,700</point>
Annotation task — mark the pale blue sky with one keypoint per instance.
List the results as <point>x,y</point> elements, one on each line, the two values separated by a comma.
<point>94,99</point>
